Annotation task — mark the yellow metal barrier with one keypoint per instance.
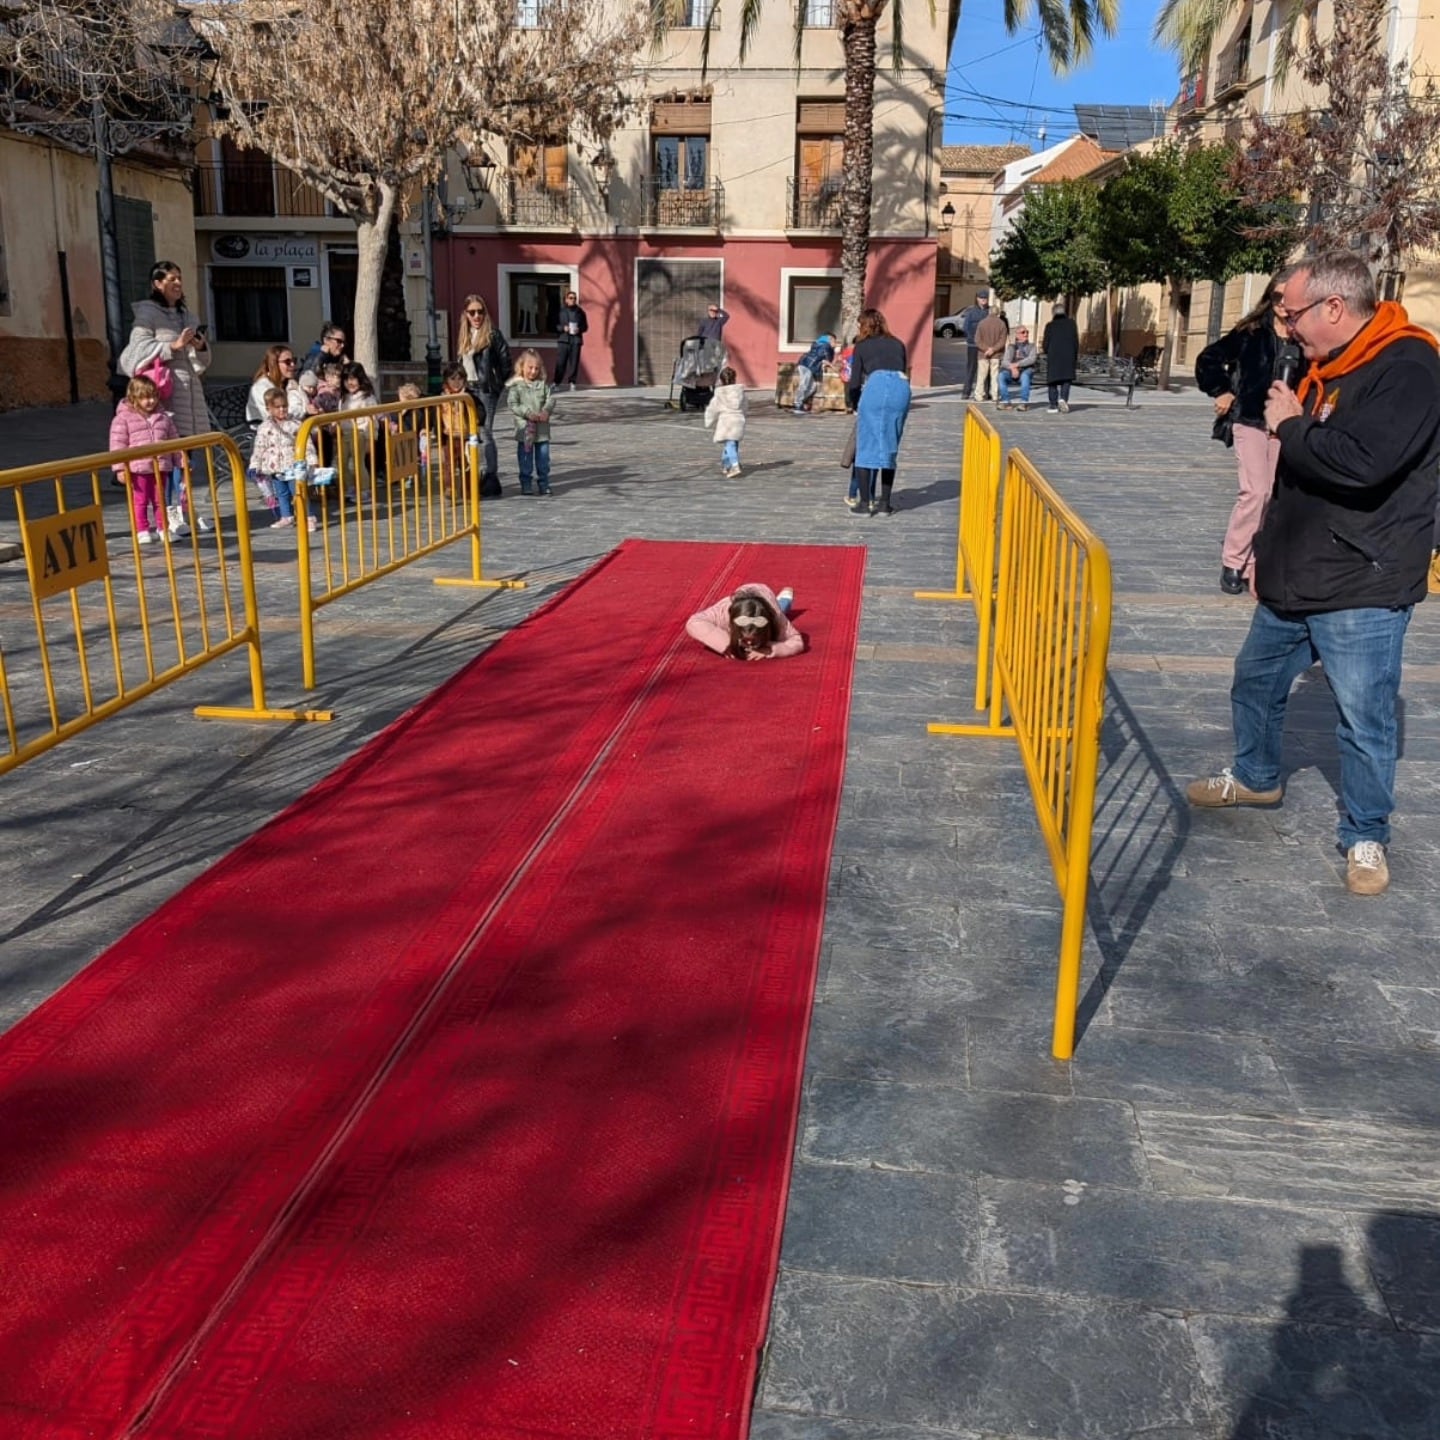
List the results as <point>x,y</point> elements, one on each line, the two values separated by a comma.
<point>975,544</point>
<point>406,484</point>
<point>1052,641</point>
<point>140,615</point>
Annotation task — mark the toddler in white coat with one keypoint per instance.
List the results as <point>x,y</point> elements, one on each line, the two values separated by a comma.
<point>726,412</point>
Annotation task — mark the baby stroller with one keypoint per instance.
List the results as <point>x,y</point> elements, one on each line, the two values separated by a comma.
<point>697,367</point>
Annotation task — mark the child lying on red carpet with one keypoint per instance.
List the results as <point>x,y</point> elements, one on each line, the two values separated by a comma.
<point>751,624</point>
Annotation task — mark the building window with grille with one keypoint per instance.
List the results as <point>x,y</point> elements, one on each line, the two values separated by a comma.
<point>693,14</point>
<point>531,14</point>
<point>819,14</point>
<point>811,306</point>
<point>249,302</point>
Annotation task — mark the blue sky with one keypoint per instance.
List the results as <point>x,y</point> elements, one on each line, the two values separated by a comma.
<point>1024,94</point>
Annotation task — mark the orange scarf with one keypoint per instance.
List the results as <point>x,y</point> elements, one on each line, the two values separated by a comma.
<point>1388,324</point>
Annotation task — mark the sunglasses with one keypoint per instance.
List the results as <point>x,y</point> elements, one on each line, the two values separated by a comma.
<point>474,312</point>
<point>750,622</point>
<point>287,360</point>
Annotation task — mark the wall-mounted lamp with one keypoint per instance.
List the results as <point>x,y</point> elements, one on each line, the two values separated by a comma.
<point>947,216</point>
<point>602,164</point>
<point>446,213</point>
<point>479,170</point>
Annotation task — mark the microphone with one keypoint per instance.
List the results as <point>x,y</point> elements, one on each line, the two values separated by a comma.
<point>1287,364</point>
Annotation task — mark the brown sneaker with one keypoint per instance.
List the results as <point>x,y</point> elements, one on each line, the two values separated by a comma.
<point>1366,872</point>
<point>1223,789</point>
<point>1434,585</point>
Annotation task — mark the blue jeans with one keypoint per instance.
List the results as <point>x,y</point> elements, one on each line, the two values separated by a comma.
<point>1006,382</point>
<point>1360,650</point>
<point>534,460</point>
<point>284,496</point>
<point>729,454</point>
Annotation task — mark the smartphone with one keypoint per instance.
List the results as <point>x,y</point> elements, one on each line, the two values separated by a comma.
<point>201,331</point>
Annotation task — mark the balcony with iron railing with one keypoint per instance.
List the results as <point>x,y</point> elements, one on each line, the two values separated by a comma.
<point>812,204</point>
<point>1192,97</point>
<point>537,206</point>
<point>695,207</point>
<point>256,189</point>
<point>1232,74</point>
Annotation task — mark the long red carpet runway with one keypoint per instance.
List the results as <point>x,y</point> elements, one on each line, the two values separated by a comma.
<point>458,1101</point>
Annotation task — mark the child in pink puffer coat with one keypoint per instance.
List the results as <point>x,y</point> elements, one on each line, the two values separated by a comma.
<point>139,420</point>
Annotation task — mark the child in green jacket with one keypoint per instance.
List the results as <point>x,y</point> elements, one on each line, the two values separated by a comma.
<point>530,398</point>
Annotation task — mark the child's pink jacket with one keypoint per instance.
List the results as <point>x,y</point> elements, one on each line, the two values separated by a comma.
<point>132,428</point>
<point>712,627</point>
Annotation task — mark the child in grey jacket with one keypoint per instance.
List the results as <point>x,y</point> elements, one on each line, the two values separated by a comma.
<point>726,413</point>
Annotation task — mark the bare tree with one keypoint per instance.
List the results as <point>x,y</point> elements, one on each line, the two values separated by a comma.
<point>1366,157</point>
<point>364,101</point>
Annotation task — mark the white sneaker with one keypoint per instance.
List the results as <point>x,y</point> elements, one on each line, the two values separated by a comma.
<point>145,537</point>
<point>202,525</point>
<point>1051,410</point>
<point>1064,407</point>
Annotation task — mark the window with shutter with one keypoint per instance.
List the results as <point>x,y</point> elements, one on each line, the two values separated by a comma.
<point>135,242</point>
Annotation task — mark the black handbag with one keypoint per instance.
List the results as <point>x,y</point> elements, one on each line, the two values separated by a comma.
<point>1223,429</point>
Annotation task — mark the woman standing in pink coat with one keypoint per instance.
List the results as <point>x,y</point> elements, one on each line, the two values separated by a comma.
<point>752,624</point>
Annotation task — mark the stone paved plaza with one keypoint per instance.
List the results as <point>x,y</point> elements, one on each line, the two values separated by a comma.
<point>1221,1221</point>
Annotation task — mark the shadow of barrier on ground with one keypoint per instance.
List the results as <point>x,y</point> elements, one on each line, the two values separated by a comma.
<point>1052,637</point>
<point>400,481</point>
<point>975,545</point>
<point>109,628</point>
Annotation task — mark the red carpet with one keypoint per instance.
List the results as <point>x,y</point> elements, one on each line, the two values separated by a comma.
<point>459,1101</point>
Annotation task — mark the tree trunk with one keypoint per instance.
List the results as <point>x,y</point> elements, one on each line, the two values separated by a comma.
<point>372,234</point>
<point>1110,327</point>
<point>855,192</point>
<point>1172,330</point>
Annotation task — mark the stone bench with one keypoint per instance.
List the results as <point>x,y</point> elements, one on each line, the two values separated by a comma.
<point>829,394</point>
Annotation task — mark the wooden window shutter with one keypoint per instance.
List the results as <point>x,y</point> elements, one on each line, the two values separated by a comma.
<point>821,117</point>
<point>680,115</point>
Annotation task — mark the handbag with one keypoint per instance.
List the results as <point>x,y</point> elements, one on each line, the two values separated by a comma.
<point>847,455</point>
<point>155,369</point>
<point>1223,429</point>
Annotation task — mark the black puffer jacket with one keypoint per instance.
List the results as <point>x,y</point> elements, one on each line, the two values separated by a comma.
<point>1352,517</point>
<point>1242,364</point>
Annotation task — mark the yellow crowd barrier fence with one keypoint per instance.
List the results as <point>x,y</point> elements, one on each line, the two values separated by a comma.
<point>405,484</point>
<point>109,619</point>
<point>1052,639</point>
<point>975,545</point>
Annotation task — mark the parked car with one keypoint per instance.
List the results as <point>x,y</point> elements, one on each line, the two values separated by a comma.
<point>948,325</point>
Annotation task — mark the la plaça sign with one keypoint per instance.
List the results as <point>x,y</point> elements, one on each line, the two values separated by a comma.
<point>243,247</point>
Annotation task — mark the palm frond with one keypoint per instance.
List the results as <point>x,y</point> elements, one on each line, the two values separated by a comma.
<point>749,23</point>
<point>1191,27</point>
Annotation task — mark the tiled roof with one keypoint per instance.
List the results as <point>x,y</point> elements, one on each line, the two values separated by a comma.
<point>1077,159</point>
<point>980,159</point>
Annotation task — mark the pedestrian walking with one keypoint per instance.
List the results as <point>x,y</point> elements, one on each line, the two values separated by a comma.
<point>970,319</point>
<point>879,394</point>
<point>573,325</point>
<point>532,403</point>
<point>1060,345</point>
<point>1237,371</point>
<point>726,414</point>
<point>1343,550</point>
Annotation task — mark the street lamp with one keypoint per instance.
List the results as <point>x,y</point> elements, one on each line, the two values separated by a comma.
<point>602,164</point>
<point>479,170</point>
<point>947,216</point>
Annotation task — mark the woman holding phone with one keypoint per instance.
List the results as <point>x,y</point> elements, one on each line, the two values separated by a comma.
<point>167,338</point>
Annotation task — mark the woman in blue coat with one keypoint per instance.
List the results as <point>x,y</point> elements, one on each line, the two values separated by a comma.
<point>879,394</point>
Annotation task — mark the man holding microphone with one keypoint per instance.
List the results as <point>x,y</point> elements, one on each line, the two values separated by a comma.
<point>1343,550</point>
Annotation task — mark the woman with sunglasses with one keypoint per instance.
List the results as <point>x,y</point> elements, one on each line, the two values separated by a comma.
<point>278,371</point>
<point>483,353</point>
<point>752,624</point>
<point>1237,371</point>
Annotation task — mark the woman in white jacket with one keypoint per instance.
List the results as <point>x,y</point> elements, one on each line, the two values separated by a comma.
<point>726,412</point>
<point>164,327</point>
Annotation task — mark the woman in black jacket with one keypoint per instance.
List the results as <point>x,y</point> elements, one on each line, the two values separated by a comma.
<point>573,325</point>
<point>482,350</point>
<point>1237,371</point>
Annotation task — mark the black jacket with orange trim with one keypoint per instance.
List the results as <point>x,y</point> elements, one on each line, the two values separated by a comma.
<point>1351,520</point>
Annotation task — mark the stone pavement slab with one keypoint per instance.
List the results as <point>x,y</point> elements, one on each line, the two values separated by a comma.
<point>1220,1221</point>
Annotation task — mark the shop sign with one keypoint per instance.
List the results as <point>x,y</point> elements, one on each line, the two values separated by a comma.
<point>254,248</point>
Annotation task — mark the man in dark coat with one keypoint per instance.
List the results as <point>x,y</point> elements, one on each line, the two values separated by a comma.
<point>970,320</point>
<point>572,325</point>
<point>1343,550</point>
<point>1061,347</point>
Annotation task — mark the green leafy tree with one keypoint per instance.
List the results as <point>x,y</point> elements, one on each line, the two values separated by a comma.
<point>1176,215</point>
<point>1052,249</point>
<point>1068,28</point>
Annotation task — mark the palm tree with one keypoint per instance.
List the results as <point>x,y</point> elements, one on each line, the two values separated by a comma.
<point>1067,27</point>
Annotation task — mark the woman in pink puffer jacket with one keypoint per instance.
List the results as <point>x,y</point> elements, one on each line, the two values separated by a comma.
<point>138,421</point>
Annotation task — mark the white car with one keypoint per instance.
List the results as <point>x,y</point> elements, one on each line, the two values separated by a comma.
<point>948,325</point>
